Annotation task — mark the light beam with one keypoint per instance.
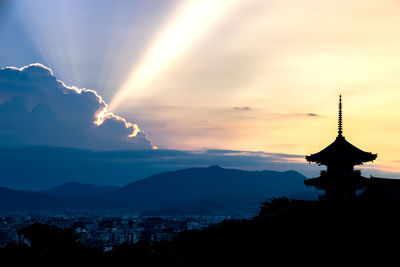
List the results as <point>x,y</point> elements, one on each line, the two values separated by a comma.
<point>187,25</point>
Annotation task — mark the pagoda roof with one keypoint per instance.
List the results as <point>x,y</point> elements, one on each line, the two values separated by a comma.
<point>341,150</point>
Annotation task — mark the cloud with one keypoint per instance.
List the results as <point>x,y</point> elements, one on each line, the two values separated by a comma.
<point>38,109</point>
<point>294,115</point>
<point>241,108</point>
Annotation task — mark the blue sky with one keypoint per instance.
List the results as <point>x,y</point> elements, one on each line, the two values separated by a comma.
<point>79,39</point>
<point>201,76</point>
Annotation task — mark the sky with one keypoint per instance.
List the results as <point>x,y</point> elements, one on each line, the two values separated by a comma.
<point>191,75</point>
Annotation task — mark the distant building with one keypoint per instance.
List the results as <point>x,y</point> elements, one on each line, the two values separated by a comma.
<point>382,189</point>
<point>340,180</point>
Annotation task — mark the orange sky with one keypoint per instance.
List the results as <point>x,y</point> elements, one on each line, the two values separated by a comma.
<point>256,75</point>
<point>256,79</point>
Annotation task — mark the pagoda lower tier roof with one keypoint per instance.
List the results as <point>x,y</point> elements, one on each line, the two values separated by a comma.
<point>341,151</point>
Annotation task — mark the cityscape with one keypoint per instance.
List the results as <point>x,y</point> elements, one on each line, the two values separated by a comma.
<point>105,231</point>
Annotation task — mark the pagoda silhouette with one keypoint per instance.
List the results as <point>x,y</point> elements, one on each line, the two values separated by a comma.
<point>340,181</point>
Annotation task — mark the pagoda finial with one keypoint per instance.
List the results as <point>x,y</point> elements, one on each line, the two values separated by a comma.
<point>340,131</point>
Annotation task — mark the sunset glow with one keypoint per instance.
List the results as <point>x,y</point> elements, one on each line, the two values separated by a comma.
<point>188,23</point>
<point>104,114</point>
<point>255,75</point>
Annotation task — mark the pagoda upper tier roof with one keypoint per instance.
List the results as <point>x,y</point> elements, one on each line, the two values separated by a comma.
<point>341,151</point>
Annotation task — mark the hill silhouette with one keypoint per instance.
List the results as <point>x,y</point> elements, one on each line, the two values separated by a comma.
<point>212,190</point>
<point>284,232</point>
<point>215,181</point>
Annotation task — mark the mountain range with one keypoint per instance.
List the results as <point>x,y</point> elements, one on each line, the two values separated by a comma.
<point>193,191</point>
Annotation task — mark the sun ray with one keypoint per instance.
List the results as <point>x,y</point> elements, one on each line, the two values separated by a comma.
<point>186,26</point>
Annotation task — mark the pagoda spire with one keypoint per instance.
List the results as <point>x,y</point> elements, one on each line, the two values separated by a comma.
<point>340,128</point>
<point>340,180</point>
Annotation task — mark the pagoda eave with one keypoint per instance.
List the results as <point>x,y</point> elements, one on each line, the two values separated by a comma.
<point>341,151</point>
<point>324,182</point>
<point>341,161</point>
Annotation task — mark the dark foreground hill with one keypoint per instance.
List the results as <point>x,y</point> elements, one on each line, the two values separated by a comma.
<point>285,232</point>
<point>193,191</point>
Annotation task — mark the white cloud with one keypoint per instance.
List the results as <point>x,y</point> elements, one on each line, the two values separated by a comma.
<point>38,109</point>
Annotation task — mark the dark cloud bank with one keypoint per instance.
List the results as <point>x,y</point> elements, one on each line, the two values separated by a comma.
<point>38,109</point>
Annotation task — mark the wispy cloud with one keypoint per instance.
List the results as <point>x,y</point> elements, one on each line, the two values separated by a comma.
<point>242,108</point>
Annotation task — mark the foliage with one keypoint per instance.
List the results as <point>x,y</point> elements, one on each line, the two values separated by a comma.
<point>285,231</point>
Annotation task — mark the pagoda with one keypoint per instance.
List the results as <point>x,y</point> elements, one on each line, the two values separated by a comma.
<point>340,180</point>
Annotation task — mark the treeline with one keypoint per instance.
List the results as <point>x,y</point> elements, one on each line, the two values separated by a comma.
<point>285,232</point>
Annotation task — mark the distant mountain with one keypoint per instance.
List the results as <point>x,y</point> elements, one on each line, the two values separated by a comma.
<point>11,200</point>
<point>212,190</point>
<point>214,181</point>
<point>75,190</point>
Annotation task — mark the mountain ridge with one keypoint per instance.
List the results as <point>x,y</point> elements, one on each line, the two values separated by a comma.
<point>213,190</point>
<point>78,190</point>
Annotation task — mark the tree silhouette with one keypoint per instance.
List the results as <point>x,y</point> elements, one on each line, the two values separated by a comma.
<point>285,232</point>
<point>44,237</point>
<point>55,245</point>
